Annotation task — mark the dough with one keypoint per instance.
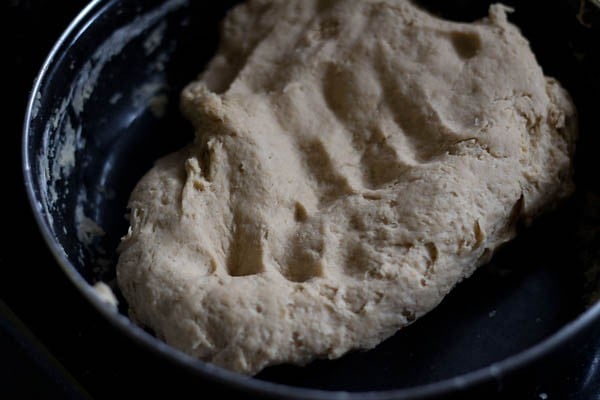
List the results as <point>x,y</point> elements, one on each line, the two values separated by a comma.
<point>353,161</point>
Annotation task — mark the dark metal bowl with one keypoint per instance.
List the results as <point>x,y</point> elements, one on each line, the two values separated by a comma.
<point>98,117</point>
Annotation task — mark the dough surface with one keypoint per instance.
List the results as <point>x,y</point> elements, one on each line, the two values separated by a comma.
<point>353,161</point>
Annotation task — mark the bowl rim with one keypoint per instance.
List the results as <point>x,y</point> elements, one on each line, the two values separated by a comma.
<point>494,372</point>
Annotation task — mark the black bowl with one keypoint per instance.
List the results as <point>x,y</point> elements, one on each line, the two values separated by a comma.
<point>105,106</point>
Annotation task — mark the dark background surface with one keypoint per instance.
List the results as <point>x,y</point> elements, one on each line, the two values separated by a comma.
<point>87,354</point>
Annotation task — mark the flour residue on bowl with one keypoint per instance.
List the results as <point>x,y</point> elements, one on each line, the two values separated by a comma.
<point>61,153</point>
<point>155,38</point>
<point>106,294</point>
<point>37,102</point>
<point>59,164</point>
<point>153,95</point>
<point>114,99</point>
<point>87,228</point>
